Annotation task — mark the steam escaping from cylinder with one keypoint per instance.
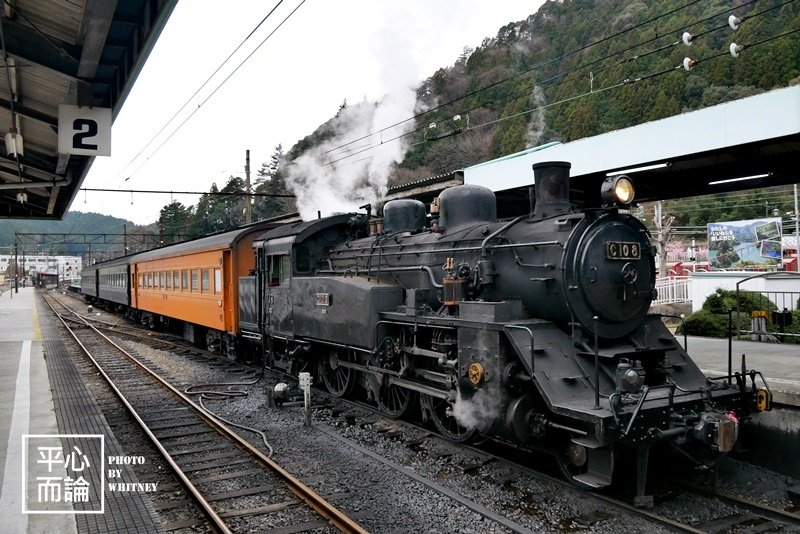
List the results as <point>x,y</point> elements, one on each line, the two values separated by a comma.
<point>479,411</point>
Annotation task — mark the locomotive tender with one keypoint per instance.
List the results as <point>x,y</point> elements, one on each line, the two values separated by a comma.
<point>533,331</point>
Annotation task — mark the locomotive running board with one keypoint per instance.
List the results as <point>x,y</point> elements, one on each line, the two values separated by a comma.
<point>601,463</point>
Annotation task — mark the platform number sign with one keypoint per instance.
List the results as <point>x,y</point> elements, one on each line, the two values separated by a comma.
<point>84,131</point>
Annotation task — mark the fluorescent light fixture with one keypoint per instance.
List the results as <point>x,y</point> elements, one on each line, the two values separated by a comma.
<point>729,180</point>
<point>639,169</point>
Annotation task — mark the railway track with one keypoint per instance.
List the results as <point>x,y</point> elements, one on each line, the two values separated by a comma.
<point>740,516</point>
<point>235,485</point>
<point>746,515</point>
<point>735,514</point>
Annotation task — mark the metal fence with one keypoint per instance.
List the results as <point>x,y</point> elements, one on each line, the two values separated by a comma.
<point>673,289</point>
<point>764,306</point>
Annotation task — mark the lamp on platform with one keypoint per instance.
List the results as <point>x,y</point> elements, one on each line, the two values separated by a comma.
<point>14,144</point>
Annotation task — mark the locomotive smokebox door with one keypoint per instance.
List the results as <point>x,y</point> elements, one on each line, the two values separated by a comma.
<point>610,273</point>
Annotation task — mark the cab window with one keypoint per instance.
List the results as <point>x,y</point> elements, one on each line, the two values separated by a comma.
<point>303,259</point>
<point>279,270</point>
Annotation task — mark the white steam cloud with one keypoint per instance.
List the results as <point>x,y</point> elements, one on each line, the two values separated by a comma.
<point>479,411</point>
<point>339,175</point>
<point>334,177</point>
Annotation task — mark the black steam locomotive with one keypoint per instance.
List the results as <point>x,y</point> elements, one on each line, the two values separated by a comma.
<point>534,331</point>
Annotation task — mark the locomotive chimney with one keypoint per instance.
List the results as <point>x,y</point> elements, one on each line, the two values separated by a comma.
<point>551,187</point>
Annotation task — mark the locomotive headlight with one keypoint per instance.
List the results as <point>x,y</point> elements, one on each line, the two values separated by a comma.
<point>617,190</point>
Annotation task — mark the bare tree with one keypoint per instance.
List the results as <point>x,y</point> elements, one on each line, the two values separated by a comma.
<point>662,236</point>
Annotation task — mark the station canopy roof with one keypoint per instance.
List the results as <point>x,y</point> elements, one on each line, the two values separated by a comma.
<point>749,143</point>
<point>79,52</point>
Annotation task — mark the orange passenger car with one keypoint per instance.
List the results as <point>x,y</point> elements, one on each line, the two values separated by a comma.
<point>196,283</point>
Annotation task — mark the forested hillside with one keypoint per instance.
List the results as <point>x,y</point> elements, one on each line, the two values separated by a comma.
<point>579,68</point>
<point>576,68</point>
<point>87,231</point>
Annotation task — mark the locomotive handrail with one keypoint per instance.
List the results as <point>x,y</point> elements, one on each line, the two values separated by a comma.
<point>508,327</point>
<point>425,268</point>
<point>497,232</point>
<point>462,249</point>
<point>529,244</point>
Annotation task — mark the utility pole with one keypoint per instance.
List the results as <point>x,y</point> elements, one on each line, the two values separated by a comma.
<point>16,268</point>
<point>248,207</point>
<point>796,230</point>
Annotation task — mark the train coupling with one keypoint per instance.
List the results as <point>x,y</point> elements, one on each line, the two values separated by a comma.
<point>719,431</point>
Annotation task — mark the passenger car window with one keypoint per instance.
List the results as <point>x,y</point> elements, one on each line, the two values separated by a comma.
<point>195,285</point>
<point>205,283</point>
<point>217,281</point>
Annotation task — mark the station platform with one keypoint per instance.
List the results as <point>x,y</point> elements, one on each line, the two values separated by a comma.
<point>778,362</point>
<point>42,401</point>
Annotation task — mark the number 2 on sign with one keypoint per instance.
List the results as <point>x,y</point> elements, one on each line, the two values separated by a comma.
<point>78,140</point>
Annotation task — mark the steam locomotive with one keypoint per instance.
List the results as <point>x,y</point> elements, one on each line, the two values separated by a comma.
<point>533,331</point>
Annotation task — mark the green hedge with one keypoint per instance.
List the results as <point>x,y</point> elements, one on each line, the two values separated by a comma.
<point>704,323</point>
<point>712,319</point>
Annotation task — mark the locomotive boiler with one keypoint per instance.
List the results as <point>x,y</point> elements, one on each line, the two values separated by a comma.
<point>533,331</point>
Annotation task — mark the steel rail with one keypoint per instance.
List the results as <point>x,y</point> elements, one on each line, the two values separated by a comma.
<point>767,512</point>
<point>191,488</point>
<point>306,494</point>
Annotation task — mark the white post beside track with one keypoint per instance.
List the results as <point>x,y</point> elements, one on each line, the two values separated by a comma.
<point>304,382</point>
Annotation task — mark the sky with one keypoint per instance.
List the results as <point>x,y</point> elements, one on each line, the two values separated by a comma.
<point>325,53</point>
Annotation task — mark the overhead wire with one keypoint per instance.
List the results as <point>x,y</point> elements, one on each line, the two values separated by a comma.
<point>561,75</point>
<point>635,80</point>
<point>209,193</point>
<point>239,46</point>
<point>522,73</point>
<point>223,82</point>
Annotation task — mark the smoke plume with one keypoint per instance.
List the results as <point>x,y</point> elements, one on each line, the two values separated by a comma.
<point>537,125</point>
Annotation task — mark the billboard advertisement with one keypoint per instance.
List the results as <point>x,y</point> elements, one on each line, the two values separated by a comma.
<point>746,244</point>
